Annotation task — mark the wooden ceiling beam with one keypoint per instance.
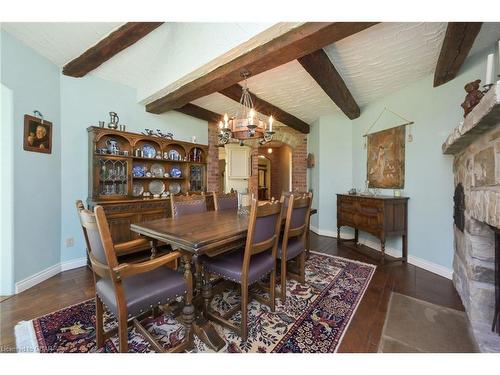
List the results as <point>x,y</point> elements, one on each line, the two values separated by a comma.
<point>266,108</point>
<point>321,69</point>
<point>458,41</point>
<point>108,47</point>
<point>201,113</point>
<point>289,46</point>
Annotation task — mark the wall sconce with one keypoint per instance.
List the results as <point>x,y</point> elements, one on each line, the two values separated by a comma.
<point>269,150</point>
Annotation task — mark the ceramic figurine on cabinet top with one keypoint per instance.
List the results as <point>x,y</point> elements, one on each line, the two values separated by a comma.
<point>473,97</point>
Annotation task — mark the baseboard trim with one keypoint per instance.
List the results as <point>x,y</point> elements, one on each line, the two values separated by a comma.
<point>47,273</point>
<point>416,261</point>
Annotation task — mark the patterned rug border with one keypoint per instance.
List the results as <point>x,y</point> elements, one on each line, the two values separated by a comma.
<point>26,335</point>
<point>358,300</point>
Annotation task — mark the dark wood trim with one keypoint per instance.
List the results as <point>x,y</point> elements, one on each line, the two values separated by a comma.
<point>199,112</point>
<point>458,41</point>
<point>115,42</point>
<point>289,46</point>
<point>321,69</point>
<point>266,108</point>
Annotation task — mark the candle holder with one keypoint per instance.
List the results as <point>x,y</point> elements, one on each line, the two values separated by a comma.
<point>487,88</point>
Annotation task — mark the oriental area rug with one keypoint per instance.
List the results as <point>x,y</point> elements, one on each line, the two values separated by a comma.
<point>313,319</point>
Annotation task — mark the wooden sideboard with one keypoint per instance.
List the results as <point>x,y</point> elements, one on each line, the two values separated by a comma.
<point>381,216</point>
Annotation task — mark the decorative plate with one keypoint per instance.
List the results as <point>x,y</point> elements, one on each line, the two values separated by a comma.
<point>138,170</point>
<point>137,189</point>
<point>175,172</point>
<point>174,188</point>
<point>174,155</point>
<point>148,151</point>
<point>157,170</point>
<point>156,187</point>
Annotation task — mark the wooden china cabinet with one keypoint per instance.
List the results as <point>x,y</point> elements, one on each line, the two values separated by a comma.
<point>124,167</point>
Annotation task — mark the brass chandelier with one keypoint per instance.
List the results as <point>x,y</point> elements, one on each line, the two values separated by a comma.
<point>246,124</point>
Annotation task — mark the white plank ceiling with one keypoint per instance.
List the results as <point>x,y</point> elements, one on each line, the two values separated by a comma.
<point>373,63</point>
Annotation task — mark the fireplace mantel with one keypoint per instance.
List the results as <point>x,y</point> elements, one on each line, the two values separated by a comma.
<point>481,119</point>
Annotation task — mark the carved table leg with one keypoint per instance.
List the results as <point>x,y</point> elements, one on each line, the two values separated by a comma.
<point>153,243</point>
<point>356,236</point>
<point>198,274</point>
<point>338,235</point>
<point>188,309</point>
<point>206,293</point>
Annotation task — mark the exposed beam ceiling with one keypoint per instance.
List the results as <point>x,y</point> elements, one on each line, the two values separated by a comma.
<point>291,45</point>
<point>319,66</point>
<point>115,42</point>
<point>266,108</point>
<point>198,112</point>
<point>458,41</point>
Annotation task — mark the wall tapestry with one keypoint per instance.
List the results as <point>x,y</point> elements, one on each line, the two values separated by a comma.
<point>386,159</point>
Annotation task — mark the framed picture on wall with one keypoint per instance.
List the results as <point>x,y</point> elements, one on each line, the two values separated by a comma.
<point>37,135</point>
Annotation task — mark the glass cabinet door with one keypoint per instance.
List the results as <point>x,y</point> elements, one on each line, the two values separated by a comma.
<point>196,178</point>
<point>113,177</point>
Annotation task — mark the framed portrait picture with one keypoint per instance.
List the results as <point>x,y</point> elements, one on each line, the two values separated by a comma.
<point>37,135</point>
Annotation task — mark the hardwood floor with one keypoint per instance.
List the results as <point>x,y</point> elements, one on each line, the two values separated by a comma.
<point>363,334</point>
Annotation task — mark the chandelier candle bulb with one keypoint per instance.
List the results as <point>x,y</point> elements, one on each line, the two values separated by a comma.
<point>271,123</point>
<point>226,119</point>
<point>489,70</point>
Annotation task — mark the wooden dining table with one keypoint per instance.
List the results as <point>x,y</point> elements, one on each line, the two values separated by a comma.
<point>209,233</point>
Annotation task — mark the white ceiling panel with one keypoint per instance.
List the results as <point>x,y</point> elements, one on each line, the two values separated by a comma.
<point>60,42</point>
<point>386,57</point>
<point>292,89</point>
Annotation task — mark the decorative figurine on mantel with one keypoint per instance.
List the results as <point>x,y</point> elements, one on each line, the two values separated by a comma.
<point>473,97</point>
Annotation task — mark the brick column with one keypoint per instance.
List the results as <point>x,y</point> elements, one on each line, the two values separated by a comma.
<point>213,159</point>
<point>299,165</point>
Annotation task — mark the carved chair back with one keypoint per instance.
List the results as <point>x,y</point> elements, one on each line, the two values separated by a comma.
<point>227,201</point>
<point>186,205</point>
<point>263,231</point>
<point>297,210</point>
<point>100,246</point>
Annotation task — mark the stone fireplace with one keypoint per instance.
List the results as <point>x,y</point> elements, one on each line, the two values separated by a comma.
<point>476,147</point>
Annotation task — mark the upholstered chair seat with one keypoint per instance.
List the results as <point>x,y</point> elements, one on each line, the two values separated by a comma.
<point>130,290</point>
<point>230,266</point>
<point>247,266</point>
<point>294,248</point>
<point>143,291</point>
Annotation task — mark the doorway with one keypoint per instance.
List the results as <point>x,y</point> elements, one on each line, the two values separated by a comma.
<point>264,177</point>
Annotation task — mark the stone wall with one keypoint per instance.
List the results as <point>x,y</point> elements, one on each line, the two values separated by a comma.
<point>477,168</point>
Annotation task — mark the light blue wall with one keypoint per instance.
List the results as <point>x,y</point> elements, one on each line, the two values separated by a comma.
<point>46,186</point>
<point>85,101</point>
<point>34,82</point>
<point>429,174</point>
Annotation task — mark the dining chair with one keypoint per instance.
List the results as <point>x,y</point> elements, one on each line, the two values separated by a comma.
<point>296,209</point>
<point>128,290</point>
<point>308,235</point>
<point>249,265</point>
<point>227,201</point>
<point>187,204</point>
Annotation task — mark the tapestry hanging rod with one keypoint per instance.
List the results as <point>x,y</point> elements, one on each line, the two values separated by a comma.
<point>408,122</point>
